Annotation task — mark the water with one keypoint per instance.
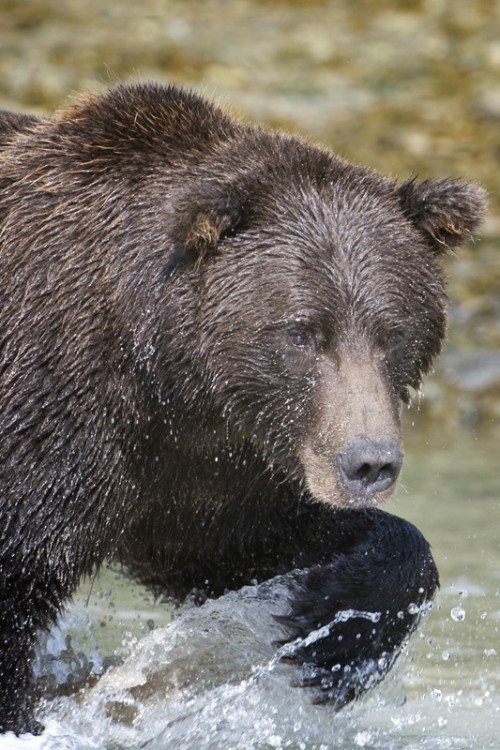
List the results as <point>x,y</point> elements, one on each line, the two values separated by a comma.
<point>208,679</point>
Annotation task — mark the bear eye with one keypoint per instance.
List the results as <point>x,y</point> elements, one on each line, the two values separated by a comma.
<point>300,338</point>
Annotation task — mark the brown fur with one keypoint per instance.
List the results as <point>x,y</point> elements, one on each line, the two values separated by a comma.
<point>200,320</point>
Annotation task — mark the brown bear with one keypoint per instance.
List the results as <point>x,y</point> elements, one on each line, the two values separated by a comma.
<point>206,329</point>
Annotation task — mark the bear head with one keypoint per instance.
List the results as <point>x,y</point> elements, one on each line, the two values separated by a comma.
<point>321,303</point>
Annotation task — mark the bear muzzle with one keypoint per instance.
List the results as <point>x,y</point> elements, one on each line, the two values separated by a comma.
<point>368,467</point>
<point>352,455</point>
<point>362,473</point>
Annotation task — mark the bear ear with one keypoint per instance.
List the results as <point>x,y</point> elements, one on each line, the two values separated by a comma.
<point>446,212</point>
<point>203,218</point>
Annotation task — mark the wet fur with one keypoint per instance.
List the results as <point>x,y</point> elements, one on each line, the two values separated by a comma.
<point>159,263</point>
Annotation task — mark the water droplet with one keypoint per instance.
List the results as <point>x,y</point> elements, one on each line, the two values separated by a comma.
<point>445,655</point>
<point>363,739</point>
<point>382,663</point>
<point>458,614</point>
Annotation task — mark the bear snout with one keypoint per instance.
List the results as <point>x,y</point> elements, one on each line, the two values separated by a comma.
<point>353,454</point>
<point>361,472</point>
<point>367,467</point>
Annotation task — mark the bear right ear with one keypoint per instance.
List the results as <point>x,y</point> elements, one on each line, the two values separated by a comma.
<point>205,216</point>
<point>446,212</point>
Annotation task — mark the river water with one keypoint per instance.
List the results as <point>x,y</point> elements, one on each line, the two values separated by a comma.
<point>206,678</point>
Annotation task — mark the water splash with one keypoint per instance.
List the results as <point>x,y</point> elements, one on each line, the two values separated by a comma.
<point>324,632</point>
<point>211,680</point>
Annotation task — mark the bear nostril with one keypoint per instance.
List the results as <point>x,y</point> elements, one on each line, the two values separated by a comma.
<point>372,472</point>
<point>367,467</point>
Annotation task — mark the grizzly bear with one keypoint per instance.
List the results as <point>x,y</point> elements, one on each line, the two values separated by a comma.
<point>206,330</point>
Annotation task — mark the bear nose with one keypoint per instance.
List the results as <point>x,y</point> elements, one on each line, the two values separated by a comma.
<point>367,467</point>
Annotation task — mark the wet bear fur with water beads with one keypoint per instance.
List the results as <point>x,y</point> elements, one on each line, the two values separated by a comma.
<point>205,330</point>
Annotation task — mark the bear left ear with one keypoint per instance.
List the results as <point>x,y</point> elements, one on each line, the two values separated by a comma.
<point>205,231</point>
<point>203,217</point>
<point>446,212</point>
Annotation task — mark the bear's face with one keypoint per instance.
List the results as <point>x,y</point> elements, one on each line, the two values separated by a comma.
<point>322,302</point>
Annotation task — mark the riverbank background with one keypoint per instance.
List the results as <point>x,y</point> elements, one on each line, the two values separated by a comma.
<point>408,87</point>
